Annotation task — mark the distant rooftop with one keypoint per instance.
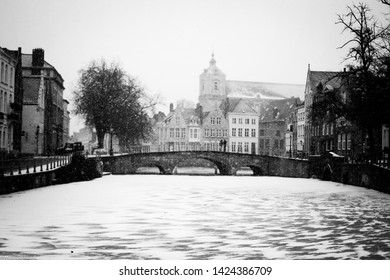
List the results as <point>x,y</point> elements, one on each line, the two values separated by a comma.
<point>243,89</point>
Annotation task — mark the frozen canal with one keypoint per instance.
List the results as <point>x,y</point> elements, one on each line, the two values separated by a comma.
<point>195,217</point>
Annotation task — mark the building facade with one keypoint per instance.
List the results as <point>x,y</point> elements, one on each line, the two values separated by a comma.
<point>11,95</point>
<point>43,105</point>
<point>243,127</point>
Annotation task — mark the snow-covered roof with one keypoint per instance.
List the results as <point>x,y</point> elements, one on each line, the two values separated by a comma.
<point>262,90</point>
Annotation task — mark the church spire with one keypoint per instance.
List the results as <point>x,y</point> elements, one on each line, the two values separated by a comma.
<point>212,61</point>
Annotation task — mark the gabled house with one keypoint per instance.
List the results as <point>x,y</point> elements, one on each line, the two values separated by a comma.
<point>215,129</point>
<point>243,127</point>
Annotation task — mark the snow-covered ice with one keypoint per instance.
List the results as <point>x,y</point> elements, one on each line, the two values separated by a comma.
<point>196,217</point>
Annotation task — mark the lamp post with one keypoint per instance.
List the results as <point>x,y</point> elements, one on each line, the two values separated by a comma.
<point>37,139</point>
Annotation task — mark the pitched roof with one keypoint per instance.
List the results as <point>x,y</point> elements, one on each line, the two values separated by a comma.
<point>27,61</point>
<point>278,109</point>
<point>240,106</point>
<point>330,78</point>
<point>263,90</point>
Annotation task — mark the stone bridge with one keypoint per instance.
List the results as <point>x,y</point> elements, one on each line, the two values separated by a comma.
<point>227,163</point>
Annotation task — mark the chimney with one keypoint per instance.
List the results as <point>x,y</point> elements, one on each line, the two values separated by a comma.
<point>171,107</point>
<point>38,57</point>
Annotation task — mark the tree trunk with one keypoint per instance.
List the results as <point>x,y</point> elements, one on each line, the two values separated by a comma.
<point>100,132</point>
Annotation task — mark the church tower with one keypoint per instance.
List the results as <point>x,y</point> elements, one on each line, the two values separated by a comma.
<point>212,86</point>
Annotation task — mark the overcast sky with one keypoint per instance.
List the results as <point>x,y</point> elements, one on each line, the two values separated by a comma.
<point>167,44</point>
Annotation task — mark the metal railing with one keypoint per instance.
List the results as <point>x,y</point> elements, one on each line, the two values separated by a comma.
<point>35,165</point>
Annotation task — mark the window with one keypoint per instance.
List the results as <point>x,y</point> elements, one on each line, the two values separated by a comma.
<point>208,146</point>
<point>1,101</point>
<point>233,146</point>
<point>6,78</point>
<point>339,142</point>
<point>11,77</point>
<point>234,120</point>
<point>213,134</point>
<point>261,144</point>
<point>344,142</point>
<point>233,131</point>
<point>278,133</point>
<point>240,132</point>
<point>246,132</point>
<point>267,144</point>
<point>177,132</point>
<point>331,129</point>
<point>225,133</point>
<point>261,132</point>
<point>207,132</point>
<point>219,132</point>
<point>240,121</point>
<point>195,133</point>
<point>276,144</point>
<point>253,121</point>
<point>349,141</point>
<point>2,72</point>
<point>183,133</point>
<point>212,121</point>
<point>215,85</point>
<point>177,120</point>
<point>239,147</point>
<point>219,120</point>
<point>253,132</point>
<point>246,147</point>
<point>246,121</point>
<point>281,144</point>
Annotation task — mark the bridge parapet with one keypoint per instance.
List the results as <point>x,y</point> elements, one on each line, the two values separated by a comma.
<point>227,163</point>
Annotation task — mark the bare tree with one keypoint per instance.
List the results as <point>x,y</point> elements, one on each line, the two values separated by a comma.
<point>365,86</point>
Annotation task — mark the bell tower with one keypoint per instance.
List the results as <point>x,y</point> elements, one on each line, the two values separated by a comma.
<point>212,86</point>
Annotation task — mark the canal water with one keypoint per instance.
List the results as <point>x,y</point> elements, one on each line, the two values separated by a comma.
<point>195,217</point>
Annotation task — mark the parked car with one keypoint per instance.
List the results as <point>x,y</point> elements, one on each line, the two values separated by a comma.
<point>70,148</point>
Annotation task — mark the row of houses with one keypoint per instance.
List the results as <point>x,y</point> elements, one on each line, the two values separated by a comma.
<point>250,117</point>
<point>257,118</point>
<point>34,116</point>
<point>254,118</point>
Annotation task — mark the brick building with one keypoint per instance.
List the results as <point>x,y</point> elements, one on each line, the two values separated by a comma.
<point>43,107</point>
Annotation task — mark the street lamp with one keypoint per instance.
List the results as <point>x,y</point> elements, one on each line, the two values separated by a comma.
<point>37,138</point>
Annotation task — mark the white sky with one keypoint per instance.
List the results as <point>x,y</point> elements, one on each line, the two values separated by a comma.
<point>167,44</point>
